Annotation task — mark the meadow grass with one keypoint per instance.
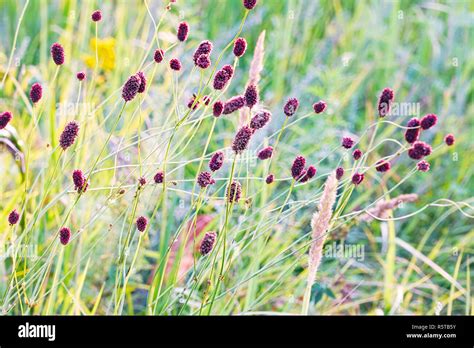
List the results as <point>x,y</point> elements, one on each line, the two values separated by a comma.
<point>416,260</point>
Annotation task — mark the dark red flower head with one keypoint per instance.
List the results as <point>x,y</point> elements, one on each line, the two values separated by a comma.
<point>449,139</point>
<point>265,153</point>
<point>207,243</point>
<point>412,134</point>
<point>260,119</point>
<point>183,30</point>
<point>141,223</point>
<point>69,134</point>
<point>382,166</point>
<point>298,167</point>
<point>291,106</point>
<point>96,16</point>
<point>319,107</point>
<point>419,150</point>
<point>193,104</point>
<point>270,178</point>
<point>311,171</point>
<point>339,173</point>
<point>205,179</point>
<point>142,181</point>
<point>217,108</point>
<point>222,77</point>
<point>81,75</point>
<point>57,53</point>
<point>217,160</point>
<point>428,121</point>
<point>240,46</point>
<point>203,61</point>
<point>347,142</point>
<point>159,177</point>
<point>233,104</point>
<point>131,87</point>
<point>36,92</point>
<point>13,217</point>
<point>5,118</point>
<point>158,55</point>
<point>357,178</point>
<point>251,96</point>
<point>357,154</point>
<point>242,139</point>
<point>142,77</point>
<point>206,99</point>
<point>423,166</point>
<point>385,101</point>
<point>234,192</point>
<point>204,47</point>
<point>249,4</point>
<point>175,64</point>
<point>64,235</point>
<point>80,183</point>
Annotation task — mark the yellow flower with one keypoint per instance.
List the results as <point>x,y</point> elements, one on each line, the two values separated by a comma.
<point>105,51</point>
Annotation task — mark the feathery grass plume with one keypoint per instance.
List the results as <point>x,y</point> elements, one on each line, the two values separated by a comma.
<point>449,139</point>
<point>320,224</point>
<point>81,75</point>
<point>207,243</point>
<point>13,217</point>
<point>5,118</point>
<point>205,47</point>
<point>57,53</point>
<point>69,134</point>
<point>183,30</point>
<point>385,101</point>
<point>159,177</point>
<point>339,173</point>
<point>291,106</point>
<point>216,162</point>
<point>242,139</point>
<point>270,178</point>
<point>382,166</point>
<point>423,166</point>
<point>256,66</point>
<point>64,235</point>
<point>205,179</point>
<point>249,4</point>
<point>233,194</point>
<point>131,87</point>
<point>428,121</point>
<point>175,64</point>
<point>217,108</point>
<point>203,61</point>
<point>240,46</point>
<point>96,16</point>
<point>79,180</point>
<point>265,153</point>
<point>142,78</point>
<point>251,96</point>
<point>158,55</point>
<point>298,166</point>
<point>141,223</point>
<point>382,208</point>
<point>36,92</point>
<point>260,119</point>
<point>357,154</point>
<point>233,104</point>
<point>319,107</point>
<point>412,134</point>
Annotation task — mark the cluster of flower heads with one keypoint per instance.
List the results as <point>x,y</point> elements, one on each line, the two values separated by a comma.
<point>299,172</point>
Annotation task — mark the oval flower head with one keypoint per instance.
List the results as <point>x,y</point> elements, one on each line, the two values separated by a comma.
<point>69,134</point>
<point>36,93</point>
<point>5,118</point>
<point>216,162</point>
<point>242,139</point>
<point>141,223</point>
<point>260,119</point>
<point>385,102</point>
<point>207,243</point>
<point>57,53</point>
<point>291,106</point>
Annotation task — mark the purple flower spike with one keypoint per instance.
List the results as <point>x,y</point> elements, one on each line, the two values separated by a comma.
<point>158,55</point>
<point>233,104</point>
<point>357,154</point>
<point>69,134</point>
<point>175,64</point>
<point>382,166</point>
<point>217,108</point>
<point>339,173</point>
<point>291,106</point>
<point>57,53</point>
<point>216,162</point>
<point>5,118</point>
<point>96,16</point>
<point>207,243</point>
<point>428,121</point>
<point>141,223</point>
<point>357,178</point>
<point>233,195</point>
<point>385,101</point>
<point>79,180</point>
<point>205,179</point>
<point>183,30</point>
<point>13,217</point>
<point>81,75</point>
<point>240,46</point>
<point>419,150</point>
<point>64,235</point>
<point>298,167</point>
<point>319,107</point>
<point>270,178</point>
<point>159,177</point>
<point>36,93</point>
<point>131,87</point>
<point>449,139</point>
<point>347,142</point>
<point>423,166</point>
<point>203,61</point>
<point>265,153</point>
<point>260,119</point>
<point>242,139</point>
<point>251,96</point>
<point>412,135</point>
